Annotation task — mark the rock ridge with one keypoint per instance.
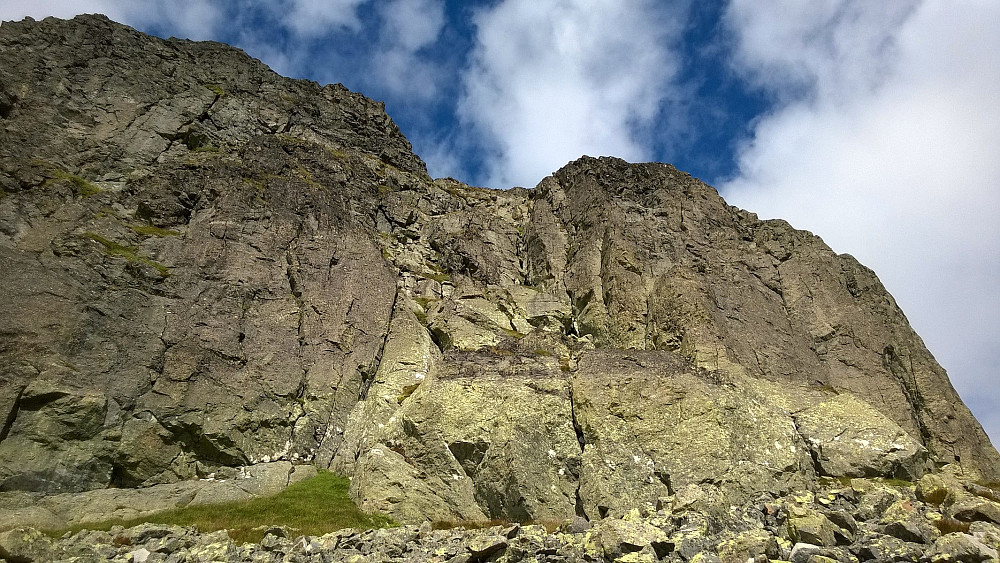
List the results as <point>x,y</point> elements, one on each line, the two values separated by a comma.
<point>208,267</point>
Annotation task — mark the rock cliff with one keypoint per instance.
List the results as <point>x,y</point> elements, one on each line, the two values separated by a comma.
<point>206,266</point>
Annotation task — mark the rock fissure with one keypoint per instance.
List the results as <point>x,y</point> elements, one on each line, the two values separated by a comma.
<point>11,414</point>
<point>581,440</point>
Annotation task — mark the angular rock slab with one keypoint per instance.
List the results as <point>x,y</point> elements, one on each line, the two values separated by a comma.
<point>484,436</point>
<point>652,423</point>
<point>851,439</point>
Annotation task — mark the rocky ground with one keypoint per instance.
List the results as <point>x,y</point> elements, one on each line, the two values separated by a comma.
<point>941,518</point>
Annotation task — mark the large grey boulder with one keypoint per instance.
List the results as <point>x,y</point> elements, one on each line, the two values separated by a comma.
<point>850,438</point>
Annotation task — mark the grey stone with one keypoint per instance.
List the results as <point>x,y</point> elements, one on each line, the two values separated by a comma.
<point>850,438</point>
<point>26,545</point>
<point>619,537</point>
<point>959,547</point>
<point>971,508</point>
<point>801,552</point>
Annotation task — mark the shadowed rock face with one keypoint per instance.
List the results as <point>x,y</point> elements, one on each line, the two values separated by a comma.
<point>207,266</point>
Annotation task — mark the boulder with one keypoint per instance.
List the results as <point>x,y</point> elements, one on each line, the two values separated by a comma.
<point>850,438</point>
<point>806,526</point>
<point>618,537</point>
<point>972,508</point>
<point>903,520</point>
<point>651,425</point>
<point>959,547</point>
<point>26,545</point>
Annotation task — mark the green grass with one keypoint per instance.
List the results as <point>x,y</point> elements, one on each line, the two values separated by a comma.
<point>83,187</point>
<point>439,277</point>
<point>894,482</point>
<point>216,89</point>
<point>835,481</point>
<point>424,302</point>
<point>313,507</point>
<point>114,249</point>
<point>513,333</point>
<point>153,231</point>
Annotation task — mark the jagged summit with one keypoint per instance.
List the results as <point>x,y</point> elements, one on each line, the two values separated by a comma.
<point>207,266</point>
<point>115,101</point>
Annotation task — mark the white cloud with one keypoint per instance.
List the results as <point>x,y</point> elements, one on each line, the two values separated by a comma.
<point>15,10</point>
<point>191,19</point>
<point>550,81</point>
<point>194,19</point>
<point>313,18</point>
<point>408,26</point>
<point>884,142</point>
<point>413,24</point>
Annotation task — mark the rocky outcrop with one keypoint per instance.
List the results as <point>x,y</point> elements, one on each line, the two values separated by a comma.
<point>832,523</point>
<point>53,512</point>
<point>207,266</point>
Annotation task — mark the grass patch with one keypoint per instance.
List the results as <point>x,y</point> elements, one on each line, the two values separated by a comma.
<point>424,302</point>
<point>131,254</point>
<point>306,176</point>
<point>153,231</point>
<point>897,482</point>
<point>513,333</point>
<point>83,187</point>
<point>843,481</point>
<point>421,316</point>
<point>216,89</point>
<point>439,277</point>
<point>313,507</point>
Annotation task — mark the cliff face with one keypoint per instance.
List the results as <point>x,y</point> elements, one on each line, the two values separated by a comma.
<point>208,266</point>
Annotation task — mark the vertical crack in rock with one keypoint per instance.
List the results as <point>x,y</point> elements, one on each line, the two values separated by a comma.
<point>894,364</point>
<point>12,415</point>
<point>582,440</point>
<point>293,285</point>
<point>368,378</point>
<point>812,447</point>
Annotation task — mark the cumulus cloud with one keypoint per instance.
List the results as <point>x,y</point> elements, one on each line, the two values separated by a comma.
<point>883,141</point>
<point>38,9</point>
<point>312,18</point>
<point>550,81</point>
<point>194,19</point>
<point>408,27</point>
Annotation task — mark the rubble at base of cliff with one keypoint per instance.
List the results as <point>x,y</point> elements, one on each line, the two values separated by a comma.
<point>939,519</point>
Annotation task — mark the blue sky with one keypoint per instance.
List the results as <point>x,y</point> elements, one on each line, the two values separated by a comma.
<point>874,124</point>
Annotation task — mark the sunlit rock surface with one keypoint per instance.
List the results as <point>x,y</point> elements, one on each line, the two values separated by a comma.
<point>206,266</point>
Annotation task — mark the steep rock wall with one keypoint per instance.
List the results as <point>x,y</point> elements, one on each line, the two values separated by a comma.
<point>208,266</point>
